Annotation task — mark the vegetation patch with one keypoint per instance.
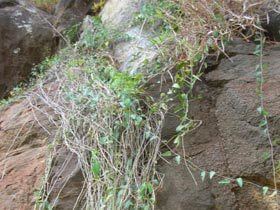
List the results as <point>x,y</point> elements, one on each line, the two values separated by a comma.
<point>47,5</point>
<point>106,118</point>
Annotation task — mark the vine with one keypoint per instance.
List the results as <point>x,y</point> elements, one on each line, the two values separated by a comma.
<point>264,125</point>
<point>189,71</point>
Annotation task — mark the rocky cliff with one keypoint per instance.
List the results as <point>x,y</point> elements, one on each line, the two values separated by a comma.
<point>227,159</point>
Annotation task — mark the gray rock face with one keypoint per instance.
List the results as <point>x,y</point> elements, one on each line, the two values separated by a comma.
<point>131,54</point>
<point>25,40</point>
<point>71,12</point>
<point>229,140</point>
<point>272,25</point>
<point>119,13</point>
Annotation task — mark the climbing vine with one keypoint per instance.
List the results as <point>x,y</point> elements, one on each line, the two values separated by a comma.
<point>264,125</point>
<point>189,62</point>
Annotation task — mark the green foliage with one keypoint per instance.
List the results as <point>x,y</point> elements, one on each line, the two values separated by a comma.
<point>154,14</point>
<point>265,190</point>
<point>167,154</point>
<point>225,182</point>
<point>95,164</point>
<point>239,181</point>
<point>40,70</point>
<point>72,33</point>
<point>99,37</point>
<point>146,193</point>
<point>41,203</point>
<point>212,174</point>
<point>265,156</point>
<point>203,175</point>
<point>264,125</point>
<point>109,121</point>
<point>276,141</point>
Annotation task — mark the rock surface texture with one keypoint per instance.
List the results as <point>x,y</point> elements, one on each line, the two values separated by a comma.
<point>25,40</point>
<point>23,148</point>
<point>138,49</point>
<point>229,140</point>
<point>29,35</point>
<point>71,12</point>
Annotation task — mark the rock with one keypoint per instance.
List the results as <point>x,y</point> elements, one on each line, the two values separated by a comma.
<point>71,12</point>
<point>119,14</point>
<point>26,129</point>
<point>23,148</point>
<point>229,140</point>
<point>132,54</point>
<point>271,24</point>
<point>66,184</point>
<point>25,40</point>
<point>270,19</point>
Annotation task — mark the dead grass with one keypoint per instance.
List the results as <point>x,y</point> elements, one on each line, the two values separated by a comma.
<point>46,5</point>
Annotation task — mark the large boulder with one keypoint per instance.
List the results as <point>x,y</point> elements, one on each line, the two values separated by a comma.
<point>25,132</point>
<point>132,54</point>
<point>71,12</point>
<point>119,14</point>
<point>26,38</point>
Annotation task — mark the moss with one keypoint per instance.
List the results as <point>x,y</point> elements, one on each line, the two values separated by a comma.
<point>97,6</point>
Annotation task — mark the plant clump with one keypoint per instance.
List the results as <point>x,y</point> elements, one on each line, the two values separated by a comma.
<point>114,132</point>
<point>106,117</point>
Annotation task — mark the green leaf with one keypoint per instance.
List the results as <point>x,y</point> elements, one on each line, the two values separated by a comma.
<point>176,85</point>
<point>167,154</point>
<point>128,204</point>
<point>180,128</point>
<point>257,50</point>
<point>184,96</point>
<point>197,57</point>
<point>177,141</point>
<point>258,68</point>
<point>265,190</point>
<point>212,174</point>
<point>196,77</point>
<point>258,75</point>
<point>169,92</point>
<point>266,155</point>
<point>259,109</point>
<point>262,111</point>
<point>203,174</point>
<point>146,189</point>
<point>178,159</point>
<point>216,34</point>
<point>263,123</point>
<point>96,168</point>
<point>224,181</point>
<point>239,182</point>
